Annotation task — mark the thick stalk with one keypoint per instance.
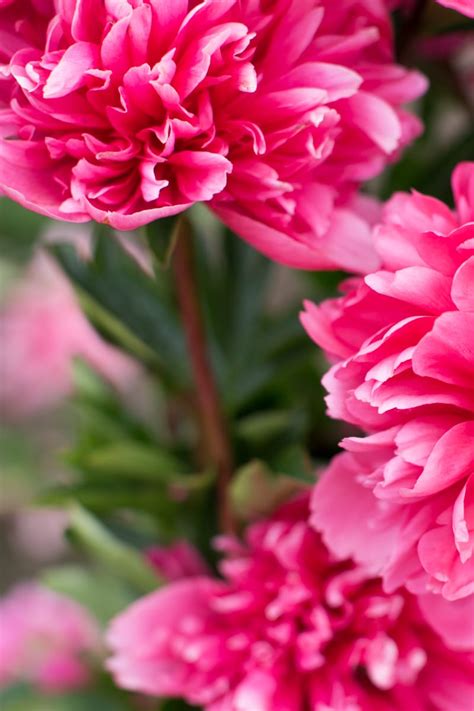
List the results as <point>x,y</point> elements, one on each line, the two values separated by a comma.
<point>211,416</point>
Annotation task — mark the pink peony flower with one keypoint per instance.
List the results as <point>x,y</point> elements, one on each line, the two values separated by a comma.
<point>403,339</point>
<point>41,330</point>
<point>273,111</point>
<point>44,637</point>
<point>288,629</point>
<point>179,560</point>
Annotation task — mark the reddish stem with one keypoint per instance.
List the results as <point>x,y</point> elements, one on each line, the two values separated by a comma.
<point>211,416</point>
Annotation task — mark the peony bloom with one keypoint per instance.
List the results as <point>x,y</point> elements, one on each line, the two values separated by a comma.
<point>41,330</point>
<point>288,628</point>
<point>44,637</point>
<point>403,339</point>
<point>125,111</point>
<point>179,560</point>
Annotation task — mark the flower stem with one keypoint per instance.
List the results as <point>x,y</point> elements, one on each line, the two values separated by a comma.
<point>210,413</point>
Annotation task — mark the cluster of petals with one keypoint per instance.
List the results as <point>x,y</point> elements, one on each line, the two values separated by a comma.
<point>42,330</point>
<point>288,627</point>
<point>45,639</point>
<point>403,341</point>
<point>125,111</point>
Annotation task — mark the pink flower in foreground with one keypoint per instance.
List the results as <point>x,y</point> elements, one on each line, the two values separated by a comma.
<point>288,629</point>
<point>404,340</point>
<point>43,640</point>
<point>273,111</point>
<point>179,560</point>
<point>41,330</point>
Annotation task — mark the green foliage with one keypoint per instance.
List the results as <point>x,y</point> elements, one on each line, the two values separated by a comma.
<point>19,231</point>
<point>117,557</point>
<point>21,698</point>
<point>129,310</point>
<point>260,354</point>
<point>87,586</point>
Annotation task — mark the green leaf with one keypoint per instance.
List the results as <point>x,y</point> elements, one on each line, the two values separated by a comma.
<point>101,593</point>
<point>162,236</point>
<point>88,383</point>
<point>103,499</point>
<point>19,230</point>
<point>24,699</point>
<point>259,427</point>
<point>127,305</point>
<point>294,462</point>
<point>133,460</point>
<point>117,557</point>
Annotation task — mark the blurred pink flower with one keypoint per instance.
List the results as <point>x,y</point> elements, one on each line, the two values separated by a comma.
<point>38,534</point>
<point>289,628</point>
<point>403,337</point>
<point>274,112</point>
<point>179,560</point>
<point>43,640</point>
<point>41,330</point>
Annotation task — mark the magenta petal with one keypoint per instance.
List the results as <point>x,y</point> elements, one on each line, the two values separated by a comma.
<point>377,119</point>
<point>447,352</point>
<point>462,292</point>
<point>28,175</point>
<point>453,621</point>
<point>70,73</point>
<point>451,460</point>
<point>201,175</point>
